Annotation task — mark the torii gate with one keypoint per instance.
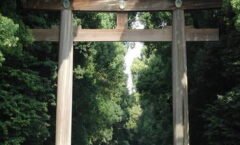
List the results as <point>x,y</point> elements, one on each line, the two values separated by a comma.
<point>178,34</point>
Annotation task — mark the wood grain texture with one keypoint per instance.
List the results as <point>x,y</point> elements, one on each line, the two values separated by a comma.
<point>179,79</point>
<point>65,81</point>
<point>122,20</point>
<point>113,5</point>
<point>151,35</point>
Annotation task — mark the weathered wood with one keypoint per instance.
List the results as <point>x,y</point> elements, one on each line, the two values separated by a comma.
<point>122,35</point>
<point>127,35</point>
<point>122,20</point>
<point>113,5</point>
<point>179,78</point>
<point>65,81</point>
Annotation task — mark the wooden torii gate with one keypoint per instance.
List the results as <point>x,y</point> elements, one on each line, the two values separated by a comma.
<point>178,34</point>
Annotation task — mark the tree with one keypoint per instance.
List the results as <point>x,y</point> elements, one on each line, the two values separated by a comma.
<point>222,126</point>
<point>26,92</point>
<point>99,86</point>
<point>236,7</point>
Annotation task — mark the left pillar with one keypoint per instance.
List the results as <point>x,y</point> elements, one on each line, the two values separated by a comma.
<point>65,80</point>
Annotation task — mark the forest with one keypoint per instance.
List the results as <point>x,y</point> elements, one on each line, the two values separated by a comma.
<point>104,112</point>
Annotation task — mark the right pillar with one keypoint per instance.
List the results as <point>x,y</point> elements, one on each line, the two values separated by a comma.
<point>179,80</point>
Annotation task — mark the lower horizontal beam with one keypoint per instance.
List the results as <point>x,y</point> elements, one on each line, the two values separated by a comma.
<point>105,35</point>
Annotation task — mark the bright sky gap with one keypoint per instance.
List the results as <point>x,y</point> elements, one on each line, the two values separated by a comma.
<point>133,51</point>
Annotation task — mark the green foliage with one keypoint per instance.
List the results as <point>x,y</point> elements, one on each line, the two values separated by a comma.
<point>213,69</point>
<point>11,36</point>
<point>26,90</point>
<point>222,126</point>
<point>236,6</point>
<point>155,19</point>
<point>220,114</point>
<point>8,32</point>
<point>24,101</point>
<point>99,86</point>
<point>134,111</point>
<point>21,117</point>
<point>101,101</point>
<point>154,126</point>
<point>153,81</point>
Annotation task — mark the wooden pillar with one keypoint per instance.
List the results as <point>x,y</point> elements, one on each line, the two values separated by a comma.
<point>65,80</point>
<point>122,20</point>
<point>180,83</point>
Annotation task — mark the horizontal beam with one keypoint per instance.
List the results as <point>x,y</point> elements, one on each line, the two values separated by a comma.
<point>113,5</point>
<point>109,35</point>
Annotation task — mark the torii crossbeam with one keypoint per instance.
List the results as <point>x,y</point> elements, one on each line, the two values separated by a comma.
<point>178,34</point>
<point>113,5</point>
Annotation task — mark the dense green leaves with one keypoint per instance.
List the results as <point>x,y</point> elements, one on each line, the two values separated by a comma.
<point>222,126</point>
<point>99,86</point>
<point>25,94</point>
<point>236,6</point>
<point>8,32</point>
<point>20,118</point>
